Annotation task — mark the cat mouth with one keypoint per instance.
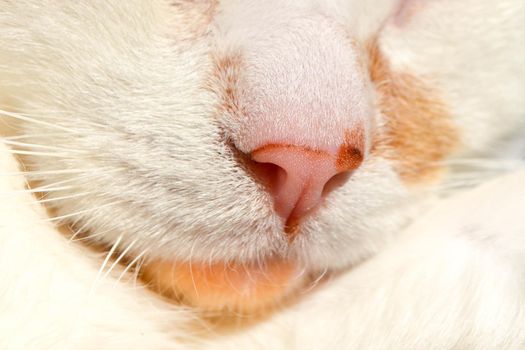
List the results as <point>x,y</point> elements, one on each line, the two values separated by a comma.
<point>219,286</point>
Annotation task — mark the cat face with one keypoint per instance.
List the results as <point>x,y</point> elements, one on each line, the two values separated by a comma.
<point>283,137</point>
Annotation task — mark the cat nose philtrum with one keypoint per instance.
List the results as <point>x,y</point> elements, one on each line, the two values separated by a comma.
<point>299,178</point>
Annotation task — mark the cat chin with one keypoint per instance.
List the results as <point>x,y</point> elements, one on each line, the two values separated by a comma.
<point>220,286</point>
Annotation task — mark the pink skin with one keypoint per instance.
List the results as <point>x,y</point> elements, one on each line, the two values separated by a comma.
<point>298,183</point>
<point>303,91</point>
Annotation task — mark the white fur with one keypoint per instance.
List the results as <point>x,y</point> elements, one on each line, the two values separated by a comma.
<point>120,91</point>
<point>175,184</point>
<point>455,280</point>
<point>51,295</point>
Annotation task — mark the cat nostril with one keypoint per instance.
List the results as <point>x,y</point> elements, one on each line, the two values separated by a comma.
<point>298,178</point>
<point>335,182</point>
<point>269,174</point>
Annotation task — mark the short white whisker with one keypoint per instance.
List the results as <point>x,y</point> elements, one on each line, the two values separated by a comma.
<point>132,262</point>
<point>105,262</point>
<point>30,136</point>
<point>47,172</point>
<point>36,121</point>
<point>66,216</point>
<point>37,146</point>
<point>36,190</point>
<point>56,199</point>
<point>119,258</point>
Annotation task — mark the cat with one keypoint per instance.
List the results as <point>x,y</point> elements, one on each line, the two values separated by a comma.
<point>262,156</point>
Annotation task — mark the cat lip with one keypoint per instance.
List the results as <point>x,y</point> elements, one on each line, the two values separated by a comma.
<point>219,285</point>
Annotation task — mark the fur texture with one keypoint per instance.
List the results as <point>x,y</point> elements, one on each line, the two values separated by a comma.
<point>454,280</point>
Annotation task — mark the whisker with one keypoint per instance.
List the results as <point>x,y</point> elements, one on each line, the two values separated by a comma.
<point>47,172</point>
<point>66,216</point>
<point>315,282</point>
<point>55,199</point>
<point>120,257</point>
<point>76,231</point>
<point>133,262</point>
<point>35,121</point>
<point>41,154</point>
<point>191,269</point>
<point>88,174</point>
<point>139,265</point>
<point>105,262</point>
<point>33,145</point>
<point>29,136</point>
<point>36,190</point>
<point>90,236</point>
<point>43,188</point>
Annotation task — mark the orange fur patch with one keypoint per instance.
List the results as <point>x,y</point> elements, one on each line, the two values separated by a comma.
<point>350,154</point>
<point>310,152</point>
<point>418,132</point>
<point>225,84</point>
<point>222,286</point>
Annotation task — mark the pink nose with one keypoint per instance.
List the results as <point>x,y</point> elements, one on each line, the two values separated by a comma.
<point>301,177</point>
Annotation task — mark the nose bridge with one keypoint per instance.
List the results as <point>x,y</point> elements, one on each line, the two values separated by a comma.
<point>302,84</point>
